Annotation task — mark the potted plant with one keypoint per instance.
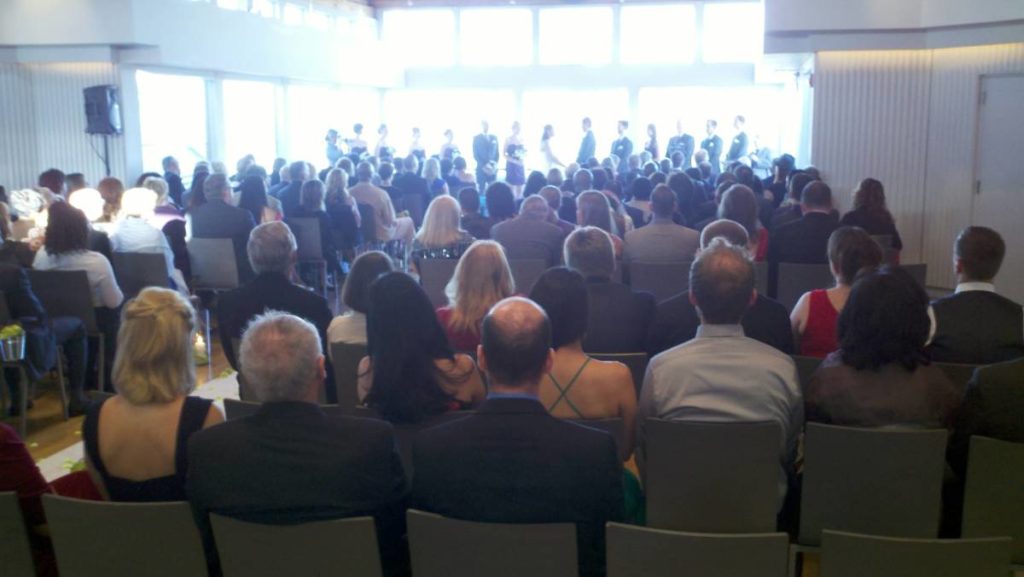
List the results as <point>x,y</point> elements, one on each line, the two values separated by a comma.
<point>12,343</point>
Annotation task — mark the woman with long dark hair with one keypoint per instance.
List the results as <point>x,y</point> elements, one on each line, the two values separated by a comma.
<point>253,197</point>
<point>871,213</point>
<point>411,372</point>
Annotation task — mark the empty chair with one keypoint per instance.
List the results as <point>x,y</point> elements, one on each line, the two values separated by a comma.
<point>337,547</point>
<point>805,367</point>
<point>642,552</point>
<point>434,276</point>
<point>994,494</point>
<point>637,363</point>
<point>310,249</point>
<point>853,555</point>
<point>614,427</point>
<point>345,359</point>
<point>919,272</point>
<point>213,264</point>
<point>15,553</point>
<point>661,279</point>
<point>93,538</point>
<point>711,477</point>
<point>138,270</point>
<point>525,272</point>
<point>875,481</point>
<point>796,279</point>
<point>492,549</point>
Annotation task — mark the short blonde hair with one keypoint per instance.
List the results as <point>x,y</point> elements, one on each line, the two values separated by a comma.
<point>138,202</point>
<point>481,279</point>
<point>441,223</point>
<point>154,362</point>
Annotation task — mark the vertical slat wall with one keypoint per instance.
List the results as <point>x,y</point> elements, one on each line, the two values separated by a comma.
<point>956,74</point>
<point>43,119</point>
<point>871,120</point>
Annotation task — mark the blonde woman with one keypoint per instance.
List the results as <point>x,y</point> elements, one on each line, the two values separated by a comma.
<point>481,279</point>
<point>342,209</point>
<point>136,441</point>
<point>432,174</point>
<point>442,235</point>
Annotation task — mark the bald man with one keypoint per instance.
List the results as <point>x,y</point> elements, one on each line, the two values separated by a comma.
<point>676,319</point>
<point>512,462</point>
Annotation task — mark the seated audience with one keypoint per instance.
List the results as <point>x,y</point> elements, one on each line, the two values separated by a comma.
<point>111,189</point>
<point>253,197</point>
<point>411,372</point>
<point>291,462</point>
<point>740,205</point>
<point>850,250</point>
<point>90,202</point>
<point>133,233</point>
<point>345,220</point>
<point>136,443</point>
<point>414,189</point>
<point>661,241</point>
<point>442,235</point>
<point>389,226</point>
<point>216,218</point>
<point>432,174</point>
<point>291,194</point>
<point>13,251</point>
<point>501,203</point>
<point>618,318</point>
<point>640,196</point>
<point>312,207</point>
<point>806,240</point>
<point>870,213</point>
<point>482,277</point>
<point>880,375</point>
<point>722,375</point>
<point>461,178</point>
<point>350,327</point>
<point>690,203</point>
<point>975,325</point>
<point>789,210</point>
<point>165,210</point>
<point>478,226</point>
<point>512,462</point>
<point>578,386</point>
<point>992,407</point>
<point>676,320</point>
<point>530,235</point>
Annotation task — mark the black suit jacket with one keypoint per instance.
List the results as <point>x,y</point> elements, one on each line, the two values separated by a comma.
<point>24,307</point>
<point>99,242</point>
<point>512,462</point>
<point>619,318</point>
<point>676,322</point>
<point>485,148</point>
<point>217,219</point>
<point>175,188</point>
<point>291,463</point>
<point>993,407</point>
<point>977,327</point>
<point>291,198</point>
<point>804,240</point>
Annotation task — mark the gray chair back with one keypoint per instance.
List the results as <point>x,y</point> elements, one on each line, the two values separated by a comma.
<point>214,267</point>
<point>635,362</point>
<point>919,272</point>
<point>805,367</point>
<point>307,237</point>
<point>614,427</point>
<point>136,270</point>
<point>642,552</point>
<point>434,276</point>
<point>492,549</point>
<point>153,539</point>
<point>994,495</point>
<point>526,271</point>
<point>65,293</point>
<point>761,277</point>
<point>234,409</point>
<point>880,482</point>
<point>661,279</point>
<point>796,279</point>
<point>711,477</point>
<point>14,547</point>
<point>345,359</point>
<point>340,546</point>
<point>960,374</point>
<point>853,555</point>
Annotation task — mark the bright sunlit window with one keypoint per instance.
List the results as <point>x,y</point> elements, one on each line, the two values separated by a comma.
<point>421,37</point>
<point>564,111</point>
<point>293,14</point>
<point>496,36</point>
<point>658,34</point>
<point>733,32</point>
<point>318,19</point>
<point>434,111</point>
<point>577,35</point>
<point>249,114</point>
<point>172,118</point>
<point>264,8</point>
<point>233,4</point>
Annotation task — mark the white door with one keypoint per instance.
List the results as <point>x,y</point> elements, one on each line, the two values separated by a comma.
<point>999,190</point>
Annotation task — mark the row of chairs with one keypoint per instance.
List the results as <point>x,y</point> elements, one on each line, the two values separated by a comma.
<point>170,545</point>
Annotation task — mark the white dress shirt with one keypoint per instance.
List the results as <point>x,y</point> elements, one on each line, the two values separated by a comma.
<point>961,287</point>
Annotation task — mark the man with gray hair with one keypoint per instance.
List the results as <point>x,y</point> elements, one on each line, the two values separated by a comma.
<point>619,317</point>
<point>530,235</point>
<point>389,227</point>
<point>271,251</point>
<point>292,462</point>
<point>217,218</point>
<point>722,375</point>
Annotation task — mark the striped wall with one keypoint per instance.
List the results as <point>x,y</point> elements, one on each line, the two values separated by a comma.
<point>43,122</point>
<point>909,119</point>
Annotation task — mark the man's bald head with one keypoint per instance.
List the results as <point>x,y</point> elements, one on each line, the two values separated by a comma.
<point>722,283</point>
<point>732,231</point>
<point>515,344</point>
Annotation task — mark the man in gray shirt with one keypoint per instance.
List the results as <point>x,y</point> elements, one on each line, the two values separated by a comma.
<point>661,240</point>
<point>722,375</point>
<point>530,235</point>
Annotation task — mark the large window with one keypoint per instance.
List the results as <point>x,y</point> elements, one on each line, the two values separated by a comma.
<point>249,119</point>
<point>733,32</point>
<point>434,111</point>
<point>658,34</point>
<point>576,35</point>
<point>172,118</point>
<point>496,36</point>
<point>564,111</point>
<point>421,37</point>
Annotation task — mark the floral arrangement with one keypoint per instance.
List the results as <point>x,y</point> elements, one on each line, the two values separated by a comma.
<point>11,331</point>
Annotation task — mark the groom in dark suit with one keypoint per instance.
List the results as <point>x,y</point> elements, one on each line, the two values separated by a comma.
<point>485,153</point>
<point>512,462</point>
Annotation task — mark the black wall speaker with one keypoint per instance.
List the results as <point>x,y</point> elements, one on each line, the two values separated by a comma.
<point>102,110</point>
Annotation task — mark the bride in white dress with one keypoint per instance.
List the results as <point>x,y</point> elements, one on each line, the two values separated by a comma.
<point>550,160</point>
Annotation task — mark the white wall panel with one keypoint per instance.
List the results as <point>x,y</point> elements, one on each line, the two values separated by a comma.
<point>18,152</point>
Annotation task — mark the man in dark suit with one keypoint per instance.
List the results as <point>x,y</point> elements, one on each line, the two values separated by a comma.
<point>588,146</point>
<point>485,152</point>
<point>42,340</point>
<point>218,219</point>
<point>713,146</point>
<point>530,235</point>
<point>271,249</point>
<point>622,148</point>
<point>291,463</point>
<point>681,143</point>
<point>619,317</point>
<point>805,240</point>
<point>291,195</point>
<point>172,174</point>
<point>789,210</point>
<point>739,147</point>
<point>975,325</point>
<point>676,319</point>
<point>512,462</point>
